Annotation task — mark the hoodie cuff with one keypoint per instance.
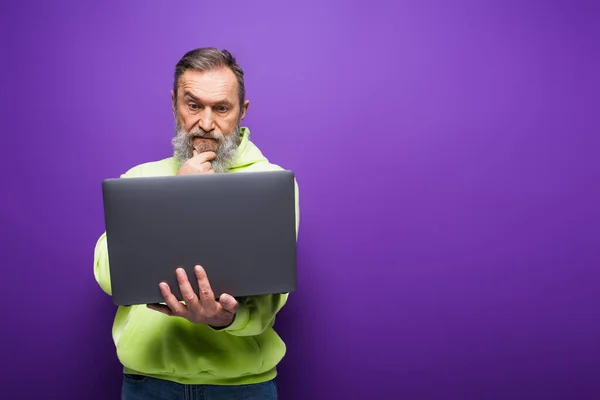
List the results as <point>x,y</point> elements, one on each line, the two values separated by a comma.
<point>240,320</point>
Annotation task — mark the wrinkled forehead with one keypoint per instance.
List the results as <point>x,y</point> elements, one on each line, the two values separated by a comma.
<point>208,87</point>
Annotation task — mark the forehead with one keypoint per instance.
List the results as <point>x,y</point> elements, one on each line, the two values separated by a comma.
<point>209,85</point>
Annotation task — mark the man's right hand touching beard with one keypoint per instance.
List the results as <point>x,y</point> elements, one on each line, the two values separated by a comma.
<point>198,164</point>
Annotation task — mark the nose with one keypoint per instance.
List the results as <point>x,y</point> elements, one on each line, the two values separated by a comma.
<point>207,122</point>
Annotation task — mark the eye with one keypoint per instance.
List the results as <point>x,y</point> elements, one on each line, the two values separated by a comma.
<point>222,109</point>
<point>193,106</point>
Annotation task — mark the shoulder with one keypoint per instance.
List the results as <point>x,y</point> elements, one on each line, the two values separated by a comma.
<point>164,167</point>
<point>260,166</point>
<point>265,165</point>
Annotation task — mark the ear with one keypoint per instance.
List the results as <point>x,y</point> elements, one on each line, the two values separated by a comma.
<point>245,109</point>
<point>173,102</point>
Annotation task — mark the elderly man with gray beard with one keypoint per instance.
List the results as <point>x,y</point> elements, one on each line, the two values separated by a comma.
<point>201,348</point>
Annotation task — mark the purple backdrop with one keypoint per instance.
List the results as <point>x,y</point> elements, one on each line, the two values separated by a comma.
<point>447,156</point>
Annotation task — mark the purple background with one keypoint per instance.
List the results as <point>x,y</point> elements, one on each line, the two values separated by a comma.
<point>448,161</point>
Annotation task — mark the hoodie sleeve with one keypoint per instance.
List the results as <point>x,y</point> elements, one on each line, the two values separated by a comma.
<point>257,313</point>
<point>101,271</point>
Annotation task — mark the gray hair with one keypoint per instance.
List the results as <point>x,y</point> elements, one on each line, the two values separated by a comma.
<point>210,59</point>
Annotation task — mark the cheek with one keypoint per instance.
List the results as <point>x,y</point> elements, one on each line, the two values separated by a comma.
<point>185,120</point>
<point>226,125</point>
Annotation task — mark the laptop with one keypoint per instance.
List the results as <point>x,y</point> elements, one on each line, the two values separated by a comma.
<point>240,227</point>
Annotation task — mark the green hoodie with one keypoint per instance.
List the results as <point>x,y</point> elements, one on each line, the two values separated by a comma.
<point>172,348</point>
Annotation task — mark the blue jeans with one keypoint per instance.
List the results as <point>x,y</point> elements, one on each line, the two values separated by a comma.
<point>137,387</point>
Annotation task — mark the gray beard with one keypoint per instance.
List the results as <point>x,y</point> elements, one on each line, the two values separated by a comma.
<point>226,148</point>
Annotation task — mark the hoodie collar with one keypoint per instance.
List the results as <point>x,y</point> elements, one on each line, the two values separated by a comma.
<point>247,153</point>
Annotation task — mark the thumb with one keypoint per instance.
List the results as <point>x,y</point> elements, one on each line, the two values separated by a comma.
<point>229,303</point>
<point>195,152</point>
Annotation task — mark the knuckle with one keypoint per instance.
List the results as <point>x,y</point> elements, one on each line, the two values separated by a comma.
<point>188,298</point>
<point>178,310</point>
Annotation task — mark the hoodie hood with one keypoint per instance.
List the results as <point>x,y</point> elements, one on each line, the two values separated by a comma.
<point>247,153</point>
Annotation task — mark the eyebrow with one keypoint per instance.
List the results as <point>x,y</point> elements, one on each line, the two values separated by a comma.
<point>219,102</point>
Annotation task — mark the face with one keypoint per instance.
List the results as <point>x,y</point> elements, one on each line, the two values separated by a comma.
<point>207,116</point>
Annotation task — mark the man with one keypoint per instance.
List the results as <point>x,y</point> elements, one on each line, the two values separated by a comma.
<point>200,348</point>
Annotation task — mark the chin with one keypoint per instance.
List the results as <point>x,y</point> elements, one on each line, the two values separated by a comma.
<point>201,148</point>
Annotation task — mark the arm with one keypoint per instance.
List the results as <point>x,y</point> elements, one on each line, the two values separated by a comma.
<point>101,269</point>
<point>255,314</point>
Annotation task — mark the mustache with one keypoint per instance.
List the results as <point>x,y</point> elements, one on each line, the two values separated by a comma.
<point>200,133</point>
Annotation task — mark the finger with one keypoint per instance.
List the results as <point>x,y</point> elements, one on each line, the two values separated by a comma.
<point>208,156</point>
<point>176,307</point>
<point>206,166</point>
<point>229,303</point>
<point>207,297</point>
<point>187,292</point>
<point>161,308</point>
<point>199,165</point>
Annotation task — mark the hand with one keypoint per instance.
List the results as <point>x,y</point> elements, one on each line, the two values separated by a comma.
<point>198,164</point>
<point>203,309</point>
